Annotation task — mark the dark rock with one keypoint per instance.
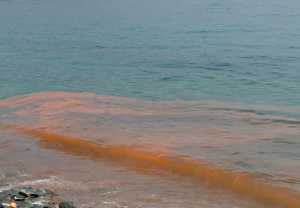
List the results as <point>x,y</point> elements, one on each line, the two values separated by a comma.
<point>66,204</point>
<point>28,197</point>
<point>29,192</point>
<point>18,197</point>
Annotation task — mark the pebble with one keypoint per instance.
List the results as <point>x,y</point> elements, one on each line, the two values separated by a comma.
<point>13,205</point>
<point>28,197</point>
<point>66,204</point>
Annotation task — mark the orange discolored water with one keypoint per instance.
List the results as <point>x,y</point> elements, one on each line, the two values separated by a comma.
<point>115,152</point>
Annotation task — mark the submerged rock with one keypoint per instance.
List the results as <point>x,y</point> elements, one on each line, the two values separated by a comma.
<point>28,197</point>
<point>18,197</point>
<point>33,193</point>
<point>66,204</point>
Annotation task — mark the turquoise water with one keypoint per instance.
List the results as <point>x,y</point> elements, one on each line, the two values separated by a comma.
<point>232,50</point>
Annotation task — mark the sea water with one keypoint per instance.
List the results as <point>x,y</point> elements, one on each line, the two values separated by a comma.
<point>210,82</point>
<point>246,51</point>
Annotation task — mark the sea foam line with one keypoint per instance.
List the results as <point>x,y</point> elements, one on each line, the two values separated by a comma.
<point>51,180</point>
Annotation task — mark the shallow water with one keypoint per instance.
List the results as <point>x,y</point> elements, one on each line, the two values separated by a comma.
<point>227,136</point>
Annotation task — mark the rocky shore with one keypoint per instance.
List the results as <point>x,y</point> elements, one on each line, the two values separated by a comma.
<point>28,197</point>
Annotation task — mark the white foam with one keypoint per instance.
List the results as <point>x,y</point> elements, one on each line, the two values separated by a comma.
<point>45,181</point>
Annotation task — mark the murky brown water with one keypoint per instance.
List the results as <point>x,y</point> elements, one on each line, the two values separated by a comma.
<point>103,151</point>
